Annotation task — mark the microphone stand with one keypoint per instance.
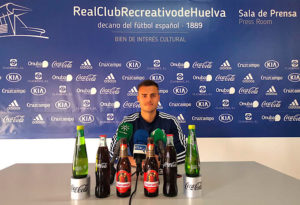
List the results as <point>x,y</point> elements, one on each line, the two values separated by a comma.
<point>138,171</point>
<point>112,173</point>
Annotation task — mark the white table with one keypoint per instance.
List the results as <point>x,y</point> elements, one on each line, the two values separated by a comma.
<point>224,183</point>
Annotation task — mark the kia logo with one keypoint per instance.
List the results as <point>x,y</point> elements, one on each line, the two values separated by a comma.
<point>62,104</point>
<point>158,78</point>
<point>86,118</point>
<point>180,90</point>
<point>133,64</point>
<point>13,77</point>
<point>271,64</point>
<point>203,104</point>
<point>225,118</point>
<point>38,90</point>
<point>294,77</point>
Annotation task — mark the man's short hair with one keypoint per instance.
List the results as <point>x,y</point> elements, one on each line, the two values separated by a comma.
<point>148,83</point>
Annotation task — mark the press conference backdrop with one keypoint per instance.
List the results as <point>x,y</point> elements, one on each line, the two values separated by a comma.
<point>229,67</point>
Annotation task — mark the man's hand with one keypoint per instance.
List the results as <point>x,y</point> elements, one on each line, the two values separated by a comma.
<point>132,161</point>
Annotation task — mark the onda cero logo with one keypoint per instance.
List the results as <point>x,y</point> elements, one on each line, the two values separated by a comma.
<point>158,78</point>
<point>180,90</point>
<point>86,118</point>
<point>38,90</point>
<point>294,77</point>
<point>225,118</point>
<point>203,104</point>
<point>62,104</point>
<point>271,64</point>
<point>133,64</point>
<point>13,77</point>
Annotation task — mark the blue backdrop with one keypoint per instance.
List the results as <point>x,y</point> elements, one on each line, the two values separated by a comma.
<point>229,67</point>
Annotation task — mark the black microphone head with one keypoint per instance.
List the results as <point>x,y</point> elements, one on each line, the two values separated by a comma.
<point>140,137</point>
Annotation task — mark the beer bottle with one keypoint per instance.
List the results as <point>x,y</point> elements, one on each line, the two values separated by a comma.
<point>80,160</point>
<point>170,168</point>
<point>192,162</point>
<point>102,172</point>
<point>123,177</point>
<point>151,178</point>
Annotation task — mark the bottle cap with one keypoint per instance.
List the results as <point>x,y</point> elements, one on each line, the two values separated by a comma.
<point>170,135</point>
<point>102,136</point>
<point>80,127</point>
<point>192,127</point>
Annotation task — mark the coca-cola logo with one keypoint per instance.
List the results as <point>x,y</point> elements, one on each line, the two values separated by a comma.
<point>192,187</point>
<point>249,91</point>
<point>81,189</point>
<point>273,104</point>
<point>88,78</point>
<point>291,118</point>
<point>206,64</point>
<point>135,104</point>
<point>102,165</point>
<point>227,78</point>
<point>15,119</point>
<point>168,165</point>
<point>65,64</point>
<point>112,91</point>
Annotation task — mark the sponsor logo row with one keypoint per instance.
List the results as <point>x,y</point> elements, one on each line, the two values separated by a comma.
<point>201,104</point>
<point>38,78</point>
<point>39,119</point>
<point>110,117</point>
<point>156,65</point>
<point>178,90</point>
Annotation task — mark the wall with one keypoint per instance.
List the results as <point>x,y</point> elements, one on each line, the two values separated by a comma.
<point>281,154</point>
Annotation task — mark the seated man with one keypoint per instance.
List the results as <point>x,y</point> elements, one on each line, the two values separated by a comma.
<point>150,119</point>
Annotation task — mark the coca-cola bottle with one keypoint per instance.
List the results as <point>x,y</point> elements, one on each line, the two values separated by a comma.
<point>151,178</point>
<point>102,171</point>
<point>170,168</point>
<point>123,177</point>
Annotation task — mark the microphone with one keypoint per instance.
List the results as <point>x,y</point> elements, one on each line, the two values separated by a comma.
<point>139,149</point>
<point>160,139</point>
<point>124,131</point>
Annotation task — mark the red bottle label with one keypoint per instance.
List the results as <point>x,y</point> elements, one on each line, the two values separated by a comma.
<point>151,181</point>
<point>123,181</point>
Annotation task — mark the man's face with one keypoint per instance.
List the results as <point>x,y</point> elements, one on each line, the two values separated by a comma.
<point>148,97</point>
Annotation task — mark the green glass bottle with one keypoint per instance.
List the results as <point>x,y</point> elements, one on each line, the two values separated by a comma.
<point>80,160</point>
<point>192,162</point>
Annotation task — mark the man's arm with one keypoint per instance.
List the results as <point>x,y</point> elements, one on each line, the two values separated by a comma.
<point>127,119</point>
<point>113,143</point>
